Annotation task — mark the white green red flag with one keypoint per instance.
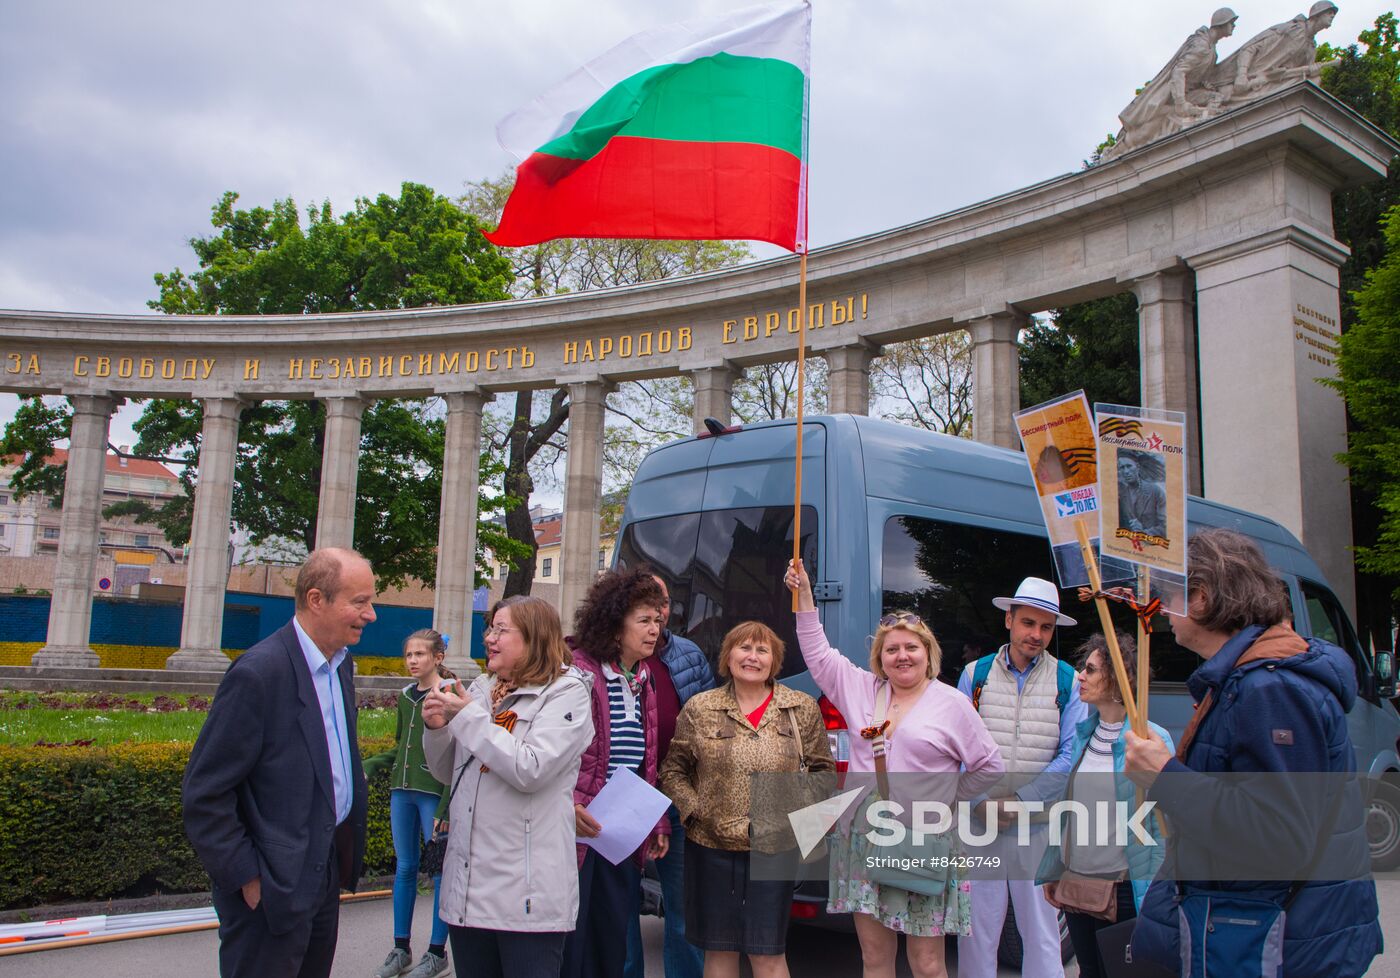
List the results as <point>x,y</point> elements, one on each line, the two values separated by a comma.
<point>689,131</point>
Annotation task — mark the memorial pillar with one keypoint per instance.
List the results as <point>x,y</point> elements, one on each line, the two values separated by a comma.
<point>456,563</point>
<point>996,377</point>
<point>1167,354</point>
<point>70,608</point>
<point>1268,316</point>
<point>340,469</point>
<point>583,496</point>
<point>201,633</point>
<point>848,378</point>
<point>714,395</point>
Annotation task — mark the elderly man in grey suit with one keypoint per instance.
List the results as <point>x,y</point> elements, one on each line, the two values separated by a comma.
<point>274,795</point>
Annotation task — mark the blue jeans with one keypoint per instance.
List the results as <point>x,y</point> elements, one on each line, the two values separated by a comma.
<point>411,821</point>
<point>682,959</point>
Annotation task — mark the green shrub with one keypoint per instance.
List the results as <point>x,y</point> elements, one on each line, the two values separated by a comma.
<point>97,823</point>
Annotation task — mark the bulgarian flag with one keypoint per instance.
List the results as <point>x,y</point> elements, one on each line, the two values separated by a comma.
<point>691,131</point>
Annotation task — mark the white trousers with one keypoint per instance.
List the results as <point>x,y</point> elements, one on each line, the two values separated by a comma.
<point>1037,921</point>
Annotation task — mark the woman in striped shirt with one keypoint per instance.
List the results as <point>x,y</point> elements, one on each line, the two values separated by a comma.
<point>1097,780</point>
<point>616,629</point>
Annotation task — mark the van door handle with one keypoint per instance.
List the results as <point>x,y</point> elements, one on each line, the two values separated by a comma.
<point>827,591</point>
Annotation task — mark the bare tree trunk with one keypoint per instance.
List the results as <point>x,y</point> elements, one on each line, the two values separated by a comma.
<point>525,441</point>
<point>518,484</point>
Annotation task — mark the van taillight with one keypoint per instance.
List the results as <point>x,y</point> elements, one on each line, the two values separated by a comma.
<point>837,733</point>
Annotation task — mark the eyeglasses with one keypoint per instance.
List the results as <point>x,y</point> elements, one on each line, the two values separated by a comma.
<point>903,618</point>
<point>498,630</point>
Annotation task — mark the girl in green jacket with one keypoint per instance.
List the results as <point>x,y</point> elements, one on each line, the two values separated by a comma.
<point>417,806</point>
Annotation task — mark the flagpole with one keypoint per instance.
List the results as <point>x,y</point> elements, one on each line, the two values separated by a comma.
<point>801,394</point>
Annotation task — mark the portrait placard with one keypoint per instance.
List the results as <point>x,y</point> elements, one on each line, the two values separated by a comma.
<point>1142,491</point>
<point>1061,449</point>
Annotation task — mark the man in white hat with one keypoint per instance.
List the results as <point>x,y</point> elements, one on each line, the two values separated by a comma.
<point>1029,701</point>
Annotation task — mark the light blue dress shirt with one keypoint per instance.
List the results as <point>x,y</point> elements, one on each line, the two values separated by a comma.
<point>1042,787</point>
<point>325,676</point>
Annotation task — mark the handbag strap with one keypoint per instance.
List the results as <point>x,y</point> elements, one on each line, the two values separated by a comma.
<point>798,746</point>
<point>878,746</point>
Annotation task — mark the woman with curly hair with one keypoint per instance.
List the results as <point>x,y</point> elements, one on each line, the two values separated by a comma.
<point>615,630</point>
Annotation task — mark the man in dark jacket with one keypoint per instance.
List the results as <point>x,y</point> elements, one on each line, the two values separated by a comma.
<point>274,794</point>
<point>1268,701</point>
<point>683,671</point>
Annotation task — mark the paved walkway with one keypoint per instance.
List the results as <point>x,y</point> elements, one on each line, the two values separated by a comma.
<point>365,939</point>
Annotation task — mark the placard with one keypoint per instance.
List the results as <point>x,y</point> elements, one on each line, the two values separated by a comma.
<point>1142,491</point>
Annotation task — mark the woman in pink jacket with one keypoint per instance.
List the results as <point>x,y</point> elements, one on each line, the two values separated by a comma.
<point>927,728</point>
<point>616,630</point>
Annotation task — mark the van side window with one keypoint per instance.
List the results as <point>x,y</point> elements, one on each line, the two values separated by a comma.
<point>1329,623</point>
<point>723,567</point>
<point>948,574</point>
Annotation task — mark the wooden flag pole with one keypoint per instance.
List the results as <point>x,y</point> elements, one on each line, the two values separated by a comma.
<point>1111,636</point>
<point>1144,640</point>
<point>801,395</point>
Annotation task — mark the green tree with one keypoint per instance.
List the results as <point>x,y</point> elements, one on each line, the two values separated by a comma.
<point>1369,365</point>
<point>1093,345</point>
<point>1367,78</point>
<point>640,415</point>
<point>415,249</point>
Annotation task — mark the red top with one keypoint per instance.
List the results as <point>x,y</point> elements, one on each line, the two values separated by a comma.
<point>757,714</point>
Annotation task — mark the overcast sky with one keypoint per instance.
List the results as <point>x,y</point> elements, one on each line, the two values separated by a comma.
<point>121,124</point>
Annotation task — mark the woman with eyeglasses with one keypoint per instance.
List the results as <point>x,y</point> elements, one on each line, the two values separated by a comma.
<point>915,725</point>
<point>752,725</point>
<point>616,629</point>
<point>1117,875</point>
<point>509,751</point>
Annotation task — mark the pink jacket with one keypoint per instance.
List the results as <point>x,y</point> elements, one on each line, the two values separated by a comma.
<point>593,773</point>
<point>941,734</point>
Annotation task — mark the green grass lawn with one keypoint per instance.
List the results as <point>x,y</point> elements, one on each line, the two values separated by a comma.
<point>62,718</point>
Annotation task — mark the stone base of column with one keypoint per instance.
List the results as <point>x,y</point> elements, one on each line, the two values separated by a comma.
<point>66,657</point>
<point>199,660</point>
<point>463,668</point>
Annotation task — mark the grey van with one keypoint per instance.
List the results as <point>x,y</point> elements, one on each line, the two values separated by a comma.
<point>901,518</point>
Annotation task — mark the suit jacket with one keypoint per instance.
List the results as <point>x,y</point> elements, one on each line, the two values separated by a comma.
<point>258,797</point>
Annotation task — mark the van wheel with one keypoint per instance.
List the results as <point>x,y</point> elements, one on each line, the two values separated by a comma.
<point>1383,823</point>
<point>1009,951</point>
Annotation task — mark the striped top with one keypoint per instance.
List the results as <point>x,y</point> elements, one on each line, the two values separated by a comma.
<point>1094,787</point>
<point>628,737</point>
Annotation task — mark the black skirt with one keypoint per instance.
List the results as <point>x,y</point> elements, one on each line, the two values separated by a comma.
<point>725,910</point>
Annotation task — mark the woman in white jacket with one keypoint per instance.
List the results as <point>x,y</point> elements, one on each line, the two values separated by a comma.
<point>509,750</point>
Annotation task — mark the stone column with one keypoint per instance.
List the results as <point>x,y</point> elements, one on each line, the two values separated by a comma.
<point>340,469</point>
<point>1167,353</point>
<point>714,394</point>
<point>996,377</point>
<point>583,495</point>
<point>70,608</point>
<point>201,634</point>
<point>456,563</point>
<point>1269,320</point>
<point>848,378</point>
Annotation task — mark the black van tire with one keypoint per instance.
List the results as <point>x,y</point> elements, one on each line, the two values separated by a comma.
<point>1009,951</point>
<point>1383,822</point>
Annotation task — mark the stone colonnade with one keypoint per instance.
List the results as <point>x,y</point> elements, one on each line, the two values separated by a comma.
<point>1223,232</point>
<point>1168,372</point>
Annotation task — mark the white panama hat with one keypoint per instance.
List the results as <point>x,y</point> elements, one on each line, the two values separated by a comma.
<point>1037,593</point>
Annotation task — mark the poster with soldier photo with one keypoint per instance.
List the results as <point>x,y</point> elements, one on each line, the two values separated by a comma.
<point>1142,488</point>
<point>1061,448</point>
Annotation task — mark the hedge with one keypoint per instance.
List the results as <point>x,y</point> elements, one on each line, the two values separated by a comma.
<point>85,823</point>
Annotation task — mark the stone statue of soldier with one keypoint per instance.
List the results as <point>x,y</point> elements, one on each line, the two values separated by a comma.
<point>1182,93</point>
<point>1279,56</point>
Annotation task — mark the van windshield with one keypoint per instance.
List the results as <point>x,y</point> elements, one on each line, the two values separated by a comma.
<point>724,567</point>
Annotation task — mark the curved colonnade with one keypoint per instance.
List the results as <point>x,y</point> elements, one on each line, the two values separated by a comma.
<point>1224,232</point>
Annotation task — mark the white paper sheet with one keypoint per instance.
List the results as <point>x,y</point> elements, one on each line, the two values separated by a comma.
<point>627,809</point>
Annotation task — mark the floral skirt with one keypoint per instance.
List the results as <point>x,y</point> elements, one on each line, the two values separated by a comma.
<point>946,914</point>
